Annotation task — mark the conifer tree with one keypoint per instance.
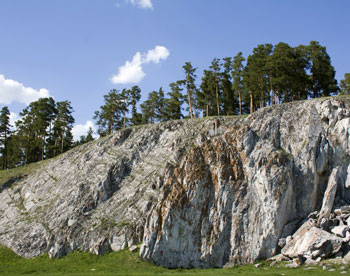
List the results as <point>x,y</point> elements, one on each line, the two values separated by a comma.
<point>149,108</point>
<point>226,85</point>
<point>175,101</point>
<point>323,82</point>
<point>345,84</point>
<point>135,96</point>
<point>4,135</point>
<point>237,77</point>
<point>257,75</point>
<point>215,67</point>
<point>109,117</point>
<point>63,126</point>
<point>207,96</point>
<point>191,87</point>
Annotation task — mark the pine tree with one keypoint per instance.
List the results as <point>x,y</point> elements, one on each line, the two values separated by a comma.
<point>237,76</point>
<point>322,72</point>
<point>135,96</point>
<point>257,75</point>
<point>34,128</point>
<point>4,135</point>
<point>226,85</point>
<point>63,126</point>
<point>345,84</point>
<point>124,101</point>
<point>109,117</point>
<point>215,67</point>
<point>149,108</point>
<point>207,96</point>
<point>175,101</point>
<point>191,87</point>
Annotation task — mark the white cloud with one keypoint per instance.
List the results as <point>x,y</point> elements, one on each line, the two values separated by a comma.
<point>117,5</point>
<point>14,91</point>
<point>144,4</point>
<point>13,118</point>
<point>132,72</point>
<point>80,130</point>
<point>156,54</point>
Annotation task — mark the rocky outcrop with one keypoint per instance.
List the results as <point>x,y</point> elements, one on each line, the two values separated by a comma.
<point>233,197</point>
<point>197,193</point>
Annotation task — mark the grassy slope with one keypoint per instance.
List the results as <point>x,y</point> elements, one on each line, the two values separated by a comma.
<point>124,263</point>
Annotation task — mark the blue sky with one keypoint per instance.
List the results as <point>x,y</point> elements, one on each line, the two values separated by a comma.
<point>72,49</point>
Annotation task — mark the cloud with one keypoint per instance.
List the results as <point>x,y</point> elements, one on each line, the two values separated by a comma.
<point>132,72</point>
<point>156,54</point>
<point>14,91</point>
<point>144,4</point>
<point>13,118</point>
<point>117,5</point>
<point>80,130</point>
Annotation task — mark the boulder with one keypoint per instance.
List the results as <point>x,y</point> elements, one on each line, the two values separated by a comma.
<point>329,195</point>
<point>313,243</point>
<point>340,230</point>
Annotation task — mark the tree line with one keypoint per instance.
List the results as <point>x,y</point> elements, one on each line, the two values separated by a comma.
<point>271,74</point>
<point>43,131</point>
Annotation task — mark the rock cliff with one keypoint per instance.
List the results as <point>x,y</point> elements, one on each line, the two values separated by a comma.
<point>197,193</point>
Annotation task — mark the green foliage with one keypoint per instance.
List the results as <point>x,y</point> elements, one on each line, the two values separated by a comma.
<point>4,136</point>
<point>173,105</point>
<point>128,263</point>
<point>345,84</point>
<point>134,98</point>
<point>237,78</point>
<point>110,116</point>
<point>206,96</point>
<point>323,82</point>
<point>43,131</point>
<point>153,109</point>
<point>191,88</point>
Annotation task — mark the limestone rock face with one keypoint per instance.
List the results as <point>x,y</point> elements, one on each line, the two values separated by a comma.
<point>233,197</point>
<point>197,193</point>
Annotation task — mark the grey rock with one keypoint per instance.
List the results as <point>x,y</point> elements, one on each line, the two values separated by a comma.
<point>278,258</point>
<point>340,230</point>
<point>197,193</point>
<point>347,257</point>
<point>292,265</point>
<point>282,242</point>
<point>311,262</point>
<point>329,195</point>
<point>313,243</point>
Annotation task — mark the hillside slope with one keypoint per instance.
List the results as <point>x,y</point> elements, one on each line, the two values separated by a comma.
<point>200,193</point>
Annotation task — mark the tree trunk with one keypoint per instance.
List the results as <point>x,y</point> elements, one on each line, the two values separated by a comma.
<point>251,102</point>
<point>207,110</point>
<point>240,103</point>
<point>62,142</point>
<point>189,96</point>
<point>217,97</point>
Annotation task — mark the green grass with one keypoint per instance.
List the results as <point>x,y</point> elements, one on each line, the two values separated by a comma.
<point>125,263</point>
<point>21,171</point>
